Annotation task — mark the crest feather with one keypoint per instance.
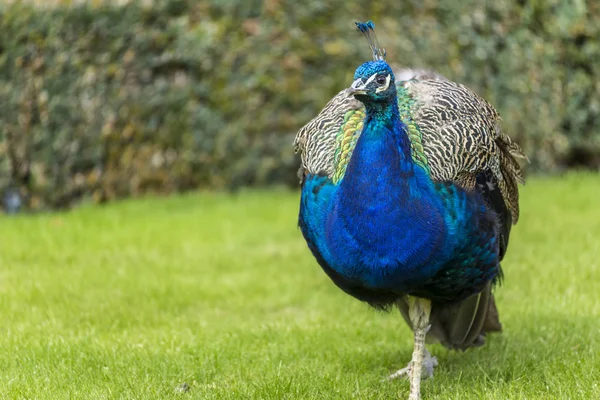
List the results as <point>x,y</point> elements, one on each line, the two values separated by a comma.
<point>368,29</point>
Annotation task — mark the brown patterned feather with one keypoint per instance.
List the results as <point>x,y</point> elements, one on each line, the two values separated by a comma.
<point>460,135</point>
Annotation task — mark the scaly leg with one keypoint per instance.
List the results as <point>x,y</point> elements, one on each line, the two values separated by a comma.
<point>429,364</point>
<point>418,310</point>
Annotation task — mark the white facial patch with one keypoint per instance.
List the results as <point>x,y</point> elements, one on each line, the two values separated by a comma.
<point>386,86</point>
<point>358,84</point>
<point>371,79</point>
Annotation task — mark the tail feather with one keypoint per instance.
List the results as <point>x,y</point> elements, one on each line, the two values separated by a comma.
<point>480,312</point>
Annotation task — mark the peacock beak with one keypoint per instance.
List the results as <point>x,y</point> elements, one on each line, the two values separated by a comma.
<point>357,87</point>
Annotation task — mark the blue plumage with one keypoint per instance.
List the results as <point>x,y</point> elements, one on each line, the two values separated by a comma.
<point>408,198</point>
<point>386,227</point>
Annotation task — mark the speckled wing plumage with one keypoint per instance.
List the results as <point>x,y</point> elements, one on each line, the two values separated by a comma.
<point>462,137</point>
<point>455,135</point>
<point>326,142</point>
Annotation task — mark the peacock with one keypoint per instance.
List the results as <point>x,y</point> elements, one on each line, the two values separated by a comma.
<point>409,192</point>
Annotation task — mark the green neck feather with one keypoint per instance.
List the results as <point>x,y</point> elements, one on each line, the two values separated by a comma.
<point>352,127</point>
<point>407,105</point>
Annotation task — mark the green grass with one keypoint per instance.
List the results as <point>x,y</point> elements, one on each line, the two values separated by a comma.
<point>133,299</point>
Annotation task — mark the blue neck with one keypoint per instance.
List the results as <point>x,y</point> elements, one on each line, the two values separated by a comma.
<point>381,168</point>
<point>386,204</point>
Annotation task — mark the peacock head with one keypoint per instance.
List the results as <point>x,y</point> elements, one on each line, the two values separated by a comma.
<point>374,80</point>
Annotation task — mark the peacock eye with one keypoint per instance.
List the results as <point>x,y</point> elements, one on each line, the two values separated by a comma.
<point>381,79</point>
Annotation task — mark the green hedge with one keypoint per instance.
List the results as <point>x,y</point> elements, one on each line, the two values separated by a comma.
<point>112,101</point>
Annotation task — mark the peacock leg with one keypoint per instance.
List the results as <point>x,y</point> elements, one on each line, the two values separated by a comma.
<point>429,364</point>
<point>418,310</point>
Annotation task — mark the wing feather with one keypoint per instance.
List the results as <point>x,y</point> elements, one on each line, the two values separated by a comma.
<point>455,134</point>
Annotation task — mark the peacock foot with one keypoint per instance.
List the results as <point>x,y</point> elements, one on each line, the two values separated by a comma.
<point>429,363</point>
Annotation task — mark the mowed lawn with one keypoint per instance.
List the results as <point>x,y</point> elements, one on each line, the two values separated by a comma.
<point>208,296</point>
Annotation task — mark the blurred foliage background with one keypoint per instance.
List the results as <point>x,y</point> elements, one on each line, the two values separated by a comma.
<point>103,101</point>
